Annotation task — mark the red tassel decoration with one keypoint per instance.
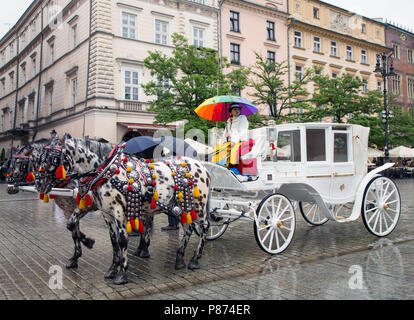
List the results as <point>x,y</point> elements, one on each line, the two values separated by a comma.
<point>78,198</point>
<point>30,177</point>
<point>193,214</point>
<point>141,227</point>
<point>131,220</point>
<point>153,204</point>
<point>52,196</point>
<point>60,172</point>
<point>88,200</point>
<point>183,218</point>
<point>41,196</point>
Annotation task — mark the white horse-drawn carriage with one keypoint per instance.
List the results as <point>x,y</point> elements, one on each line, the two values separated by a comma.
<point>320,168</point>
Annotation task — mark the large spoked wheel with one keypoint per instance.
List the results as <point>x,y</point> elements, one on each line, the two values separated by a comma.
<point>275,223</point>
<point>217,226</point>
<point>381,206</point>
<point>312,214</point>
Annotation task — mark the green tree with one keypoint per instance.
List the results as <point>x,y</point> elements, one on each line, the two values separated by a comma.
<point>342,97</point>
<point>184,79</point>
<point>270,88</point>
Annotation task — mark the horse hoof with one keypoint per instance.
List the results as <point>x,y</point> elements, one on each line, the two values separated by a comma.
<point>110,274</point>
<point>88,243</point>
<point>142,254</point>
<point>193,265</point>
<point>72,264</point>
<point>121,278</point>
<point>179,265</point>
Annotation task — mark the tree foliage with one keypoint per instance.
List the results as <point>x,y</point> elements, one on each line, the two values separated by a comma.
<point>185,79</point>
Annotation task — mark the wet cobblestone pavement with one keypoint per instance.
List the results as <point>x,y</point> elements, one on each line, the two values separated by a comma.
<point>318,264</point>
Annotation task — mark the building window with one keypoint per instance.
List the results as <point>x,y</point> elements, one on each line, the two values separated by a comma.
<point>365,86</point>
<point>298,39</point>
<point>161,32</point>
<point>234,53</point>
<point>3,57</point>
<point>410,56</point>
<point>52,52</point>
<point>271,57</point>
<point>348,52</point>
<point>74,35</point>
<point>316,13</point>
<point>198,35</point>
<point>129,25</point>
<point>49,101</point>
<point>396,50</point>
<point>11,50</point>
<point>3,86</point>
<point>34,65</point>
<point>131,85</point>
<point>379,86</point>
<point>11,76</point>
<point>23,38</point>
<point>334,75</point>
<point>23,67</point>
<point>410,82</point>
<point>364,28</point>
<point>73,91</point>
<point>34,28</point>
<point>317,44</point>
<point>234,21</point>
<point>396,85</point>
<point>32,106</point>
<point>299,73</point>
<point>364,57</point>
<point>334,49</point>
<point>270,26</point>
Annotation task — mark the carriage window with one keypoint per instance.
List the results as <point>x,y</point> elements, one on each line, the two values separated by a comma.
<point>315,145</point>
<point>288,146</point>
<point>340,147</point>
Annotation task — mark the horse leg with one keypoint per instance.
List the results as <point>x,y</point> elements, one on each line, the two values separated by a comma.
<point>121,277</point>
<point>113,270</point>
<point>145,240</point>
<point>199,251</point>
<point>179,260</point>
<point>87,242</point>
<point>73,226</point>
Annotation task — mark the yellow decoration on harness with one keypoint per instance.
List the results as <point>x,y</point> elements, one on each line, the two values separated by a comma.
<point>187,175</point>
<point>151,166</point>
<point>189,220</point>
<point>183,164</point>
<point>196,192</point>
<point>129,169</point>
<point>154,176</point>
<point>180,196</point>
<point>173,173</point>
<point>136,224</point>
<point>46,198</point>
<point>128,227</point>
<point>156,196</point>
<point>131,181</point>
<point>82,204</point>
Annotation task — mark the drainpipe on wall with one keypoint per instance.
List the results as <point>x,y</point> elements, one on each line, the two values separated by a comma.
<point>220,3</point>
<point>88,66</point>
<point>17,92</point>
<point>40,77</point>
<point>288,45</point>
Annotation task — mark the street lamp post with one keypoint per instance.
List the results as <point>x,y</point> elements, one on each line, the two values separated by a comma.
<point>386,68</point>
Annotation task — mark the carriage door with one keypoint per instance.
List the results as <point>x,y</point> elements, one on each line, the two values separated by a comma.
<point>342,188</point>
<point>318,168</point>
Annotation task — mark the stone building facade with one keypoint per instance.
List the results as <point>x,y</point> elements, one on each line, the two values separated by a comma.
<point>335,39</point>
<point>76,66</point>
<point>402,86</point>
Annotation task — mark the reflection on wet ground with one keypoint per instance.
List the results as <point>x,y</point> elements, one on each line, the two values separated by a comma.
<point>333,261</point>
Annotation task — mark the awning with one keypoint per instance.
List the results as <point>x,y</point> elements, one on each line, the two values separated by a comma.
<point>146,126</point>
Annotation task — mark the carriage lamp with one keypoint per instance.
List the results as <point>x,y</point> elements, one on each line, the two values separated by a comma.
<point>385,67</point>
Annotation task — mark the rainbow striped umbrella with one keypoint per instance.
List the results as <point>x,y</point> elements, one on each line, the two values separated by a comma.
<point>217,108</point>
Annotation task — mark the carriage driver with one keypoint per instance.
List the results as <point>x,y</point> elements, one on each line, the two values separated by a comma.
<point>237,126</point>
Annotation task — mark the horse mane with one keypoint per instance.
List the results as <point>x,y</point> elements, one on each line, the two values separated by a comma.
<point>101,149</point>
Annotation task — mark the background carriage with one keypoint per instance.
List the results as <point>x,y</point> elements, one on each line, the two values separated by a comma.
<point>319,167</point>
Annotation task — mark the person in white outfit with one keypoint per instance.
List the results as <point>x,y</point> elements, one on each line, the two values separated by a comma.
<point>237,127</point>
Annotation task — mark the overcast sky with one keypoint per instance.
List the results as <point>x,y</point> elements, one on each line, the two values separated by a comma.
<point>399,11</point>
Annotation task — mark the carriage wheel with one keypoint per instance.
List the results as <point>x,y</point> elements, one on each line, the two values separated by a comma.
<point>217,226</point>
<point>275,223</point>
<point>381,206</point>
<point>312,214</point>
